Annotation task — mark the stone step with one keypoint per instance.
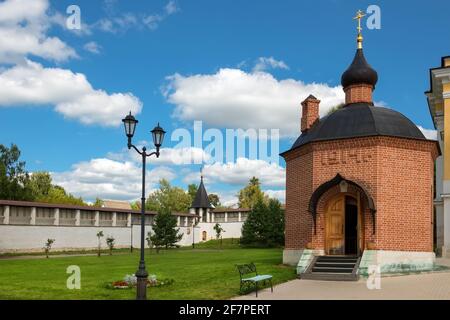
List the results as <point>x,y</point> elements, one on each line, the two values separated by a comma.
<point>335,264</point>
<point>337,268</point>
<point>332,269</point>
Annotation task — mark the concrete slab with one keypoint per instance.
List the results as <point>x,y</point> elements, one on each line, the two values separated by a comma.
<point>428,286</point>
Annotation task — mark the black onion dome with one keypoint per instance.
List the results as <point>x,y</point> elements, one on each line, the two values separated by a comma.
<point>360,120</point>
<point>359,72</point>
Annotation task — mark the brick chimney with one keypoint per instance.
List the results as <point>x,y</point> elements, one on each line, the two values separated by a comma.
<point>310,112</point>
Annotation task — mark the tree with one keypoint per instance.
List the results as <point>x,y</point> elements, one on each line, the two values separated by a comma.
<point>43,190</point>
<point>48,246</point>
<point>136,205</point>
<point>219,230</point>
<point>98,202</point>
<point>165,231</point>
<point>251,194</point>
<point>264,225</point>
<point>214,200</point>
<point>335,108</point>
<point>168,197</point>
<point>149,240</point>
<point>275,223</point>
<point>57,194</point>
<point>192,191</point>
<point>99,237</point>
<point>40,184</point>
<point>13,177</point>
<point>110,242</point>
<point>17,184</point>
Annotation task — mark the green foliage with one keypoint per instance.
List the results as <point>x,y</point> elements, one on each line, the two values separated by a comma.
<point>136,205</point>
<point>251,194</point>
<point>57,194</point>
<point>192,191</point>
<point>264,225</point>
<point>165,231</point>
<point>110,242</point>
<point>335,108</point>
<point>17,184</point>
<point>172,198</point>
<point>219,230</point>
<point>99,237</point>
<point>13,177</point>
<point>40,184</point>
<point>48,246</point>
<point>149,240</point>
<point>214,200</point>
<point>98,202</point>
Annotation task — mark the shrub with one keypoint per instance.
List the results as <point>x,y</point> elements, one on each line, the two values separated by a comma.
<point>99,236</point>
<point>48,246</point>
<point>110,241</point>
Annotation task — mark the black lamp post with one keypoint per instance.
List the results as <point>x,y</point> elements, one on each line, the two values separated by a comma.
<point>194,223</point>
<point>158,136</point>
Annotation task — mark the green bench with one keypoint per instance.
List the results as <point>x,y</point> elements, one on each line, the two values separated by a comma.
<point>246,269</point>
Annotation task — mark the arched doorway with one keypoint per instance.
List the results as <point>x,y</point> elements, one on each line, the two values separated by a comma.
<point>342,226</point>
<point>204,235</point>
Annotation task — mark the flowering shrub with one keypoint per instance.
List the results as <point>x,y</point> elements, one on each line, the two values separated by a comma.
<point>130,281</point>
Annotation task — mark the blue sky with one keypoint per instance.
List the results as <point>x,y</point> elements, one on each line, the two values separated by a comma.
<point>231,64</point>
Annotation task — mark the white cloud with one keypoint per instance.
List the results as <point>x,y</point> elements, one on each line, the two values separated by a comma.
<point>227,198</point>
<point>121,23</point>
<point>92,47</point>
<point>179,156</point>
<point>232,98</point>
<point>171,8</point>
<point>152,21</point>
<point>277,194</point>
<point>70,93</point>
<point>109,179</point>
<point>168,156</point>
<point>241,171</point>
<point>23,32</point>
<point>428,133</point>
<point>266,63</point>
<point>60,20</point>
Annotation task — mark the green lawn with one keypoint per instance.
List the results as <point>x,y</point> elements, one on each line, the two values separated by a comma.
<point>204,273</point>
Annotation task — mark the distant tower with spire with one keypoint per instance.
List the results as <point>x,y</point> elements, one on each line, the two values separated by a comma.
<point>201,204</point>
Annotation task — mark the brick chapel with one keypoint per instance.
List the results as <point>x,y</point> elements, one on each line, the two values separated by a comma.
<point>359,184</point>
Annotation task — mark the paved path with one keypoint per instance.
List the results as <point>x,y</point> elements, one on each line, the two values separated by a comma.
<point>432,286</point>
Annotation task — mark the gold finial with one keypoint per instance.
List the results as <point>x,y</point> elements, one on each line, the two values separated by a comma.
<point>359,39</point>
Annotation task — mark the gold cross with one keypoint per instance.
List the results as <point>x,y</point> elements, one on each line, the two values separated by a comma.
<point>359,16</point>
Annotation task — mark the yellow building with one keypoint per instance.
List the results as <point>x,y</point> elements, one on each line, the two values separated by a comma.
<point>439,103</point>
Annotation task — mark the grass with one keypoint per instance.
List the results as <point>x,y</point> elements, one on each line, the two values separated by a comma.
<point>207,272</point>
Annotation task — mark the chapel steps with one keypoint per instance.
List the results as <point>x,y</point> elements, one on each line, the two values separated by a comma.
<point>332,268</point>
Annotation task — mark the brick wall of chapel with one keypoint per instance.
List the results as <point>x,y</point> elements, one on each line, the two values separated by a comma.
<point>397,173</point>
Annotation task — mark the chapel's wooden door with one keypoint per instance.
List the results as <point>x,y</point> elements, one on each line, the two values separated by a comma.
<point>335,224</point>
